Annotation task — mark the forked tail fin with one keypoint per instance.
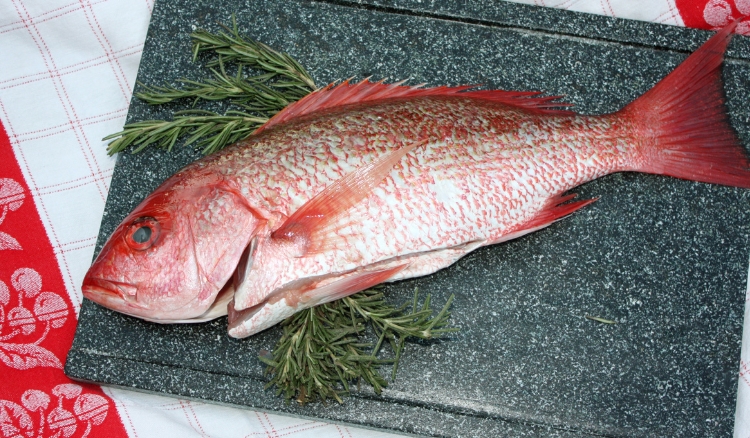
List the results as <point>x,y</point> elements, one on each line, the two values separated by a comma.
<point>685,116</point>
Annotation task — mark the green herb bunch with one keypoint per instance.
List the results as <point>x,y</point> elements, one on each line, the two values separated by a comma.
<point>257,98</point>
<point>322,351</point>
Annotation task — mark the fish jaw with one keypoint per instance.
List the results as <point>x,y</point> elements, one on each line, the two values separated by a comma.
<point>176,271</point>
<point>122,298</point>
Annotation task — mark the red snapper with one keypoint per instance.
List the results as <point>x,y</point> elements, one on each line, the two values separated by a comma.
<point>363,183</point>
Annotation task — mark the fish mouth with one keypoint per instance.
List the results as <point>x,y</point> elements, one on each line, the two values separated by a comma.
<point>122,297</point>
<point>109,293</point>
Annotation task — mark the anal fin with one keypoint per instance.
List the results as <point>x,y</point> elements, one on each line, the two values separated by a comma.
<point>555,209</point>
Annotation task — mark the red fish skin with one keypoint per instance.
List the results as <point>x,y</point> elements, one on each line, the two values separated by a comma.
<point>486,170</point>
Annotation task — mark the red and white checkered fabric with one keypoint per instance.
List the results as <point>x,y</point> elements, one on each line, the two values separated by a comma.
<point>67,70</point>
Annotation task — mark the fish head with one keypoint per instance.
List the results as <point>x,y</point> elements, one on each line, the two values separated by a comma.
<point>170,258</point>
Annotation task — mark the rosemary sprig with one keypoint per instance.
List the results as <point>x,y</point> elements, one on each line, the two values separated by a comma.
<point>232,47</point>
<point>321,350</point>
<point>211,131</point>
<point>259,97</point>
<point>250,93</point>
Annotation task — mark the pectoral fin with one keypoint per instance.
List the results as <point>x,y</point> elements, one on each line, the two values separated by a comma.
<point>311,224</point>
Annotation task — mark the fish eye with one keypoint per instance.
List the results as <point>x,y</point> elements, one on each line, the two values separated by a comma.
<point>142,233</point>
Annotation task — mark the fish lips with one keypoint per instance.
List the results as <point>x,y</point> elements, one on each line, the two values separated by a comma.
<point>122,297</point>
<point>112,294</point>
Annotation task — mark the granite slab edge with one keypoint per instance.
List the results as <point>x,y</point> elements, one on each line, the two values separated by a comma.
<point>189,384</point>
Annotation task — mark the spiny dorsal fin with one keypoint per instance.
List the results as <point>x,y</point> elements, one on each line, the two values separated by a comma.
<point>346,93</point>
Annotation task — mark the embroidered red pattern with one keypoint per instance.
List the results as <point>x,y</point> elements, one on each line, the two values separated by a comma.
<point>11,198</point>
<point>37,324</point>
<point>714,14</point>
<point>37,415</point>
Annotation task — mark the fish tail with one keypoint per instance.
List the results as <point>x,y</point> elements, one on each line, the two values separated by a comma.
<point>685,118</point>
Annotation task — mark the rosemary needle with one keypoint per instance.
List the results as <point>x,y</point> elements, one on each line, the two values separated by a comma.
<point>335,355</point>
<point>602,320</point>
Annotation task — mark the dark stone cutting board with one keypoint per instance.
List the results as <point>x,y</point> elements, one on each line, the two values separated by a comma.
<point>667,259</point>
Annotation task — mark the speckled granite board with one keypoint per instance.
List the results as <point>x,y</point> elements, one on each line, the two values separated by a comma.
<point>667,259</point>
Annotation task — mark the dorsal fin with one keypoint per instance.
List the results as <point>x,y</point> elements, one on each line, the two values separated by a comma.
<point>346,93</point>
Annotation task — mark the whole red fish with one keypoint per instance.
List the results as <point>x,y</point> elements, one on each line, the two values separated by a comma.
<point>359,184</point>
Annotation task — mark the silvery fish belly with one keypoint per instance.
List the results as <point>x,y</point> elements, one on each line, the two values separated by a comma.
<point>363,183</point>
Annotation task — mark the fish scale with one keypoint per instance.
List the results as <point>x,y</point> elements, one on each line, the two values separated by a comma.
<point>486,170</point>
<point>357,184</point>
